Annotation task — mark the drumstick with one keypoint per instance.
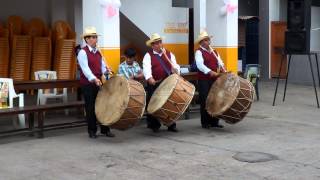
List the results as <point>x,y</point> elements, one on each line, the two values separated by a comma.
<point>107,65</point>
<point>166,57</point>
<point>211,50</point>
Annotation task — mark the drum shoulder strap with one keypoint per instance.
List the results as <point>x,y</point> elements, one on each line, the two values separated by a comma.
<point>163,65</point>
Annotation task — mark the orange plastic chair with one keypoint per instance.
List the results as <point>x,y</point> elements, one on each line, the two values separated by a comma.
<point>4,52</point>
<point>41,45</point>
<point>15,26</point>
<point>20,47</point>
<point>64,45</point>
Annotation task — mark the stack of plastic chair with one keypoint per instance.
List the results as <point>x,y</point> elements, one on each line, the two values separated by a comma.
<point>4,52</point>
<point>41,45</point>
<point>20,46</point>
<point>64,45</point>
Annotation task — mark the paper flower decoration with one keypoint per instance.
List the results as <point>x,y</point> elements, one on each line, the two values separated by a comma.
<point>111,7</point>
<point>229,7</point>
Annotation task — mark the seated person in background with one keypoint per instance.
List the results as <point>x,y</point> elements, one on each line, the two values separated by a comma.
<point>130,69</point>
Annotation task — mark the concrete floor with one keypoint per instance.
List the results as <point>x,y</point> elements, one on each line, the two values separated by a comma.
<point>290,131</point>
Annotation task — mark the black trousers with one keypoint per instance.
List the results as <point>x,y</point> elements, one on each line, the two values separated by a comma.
<point>90,93</point>
<point>153,122</point>
<point>204,87</point>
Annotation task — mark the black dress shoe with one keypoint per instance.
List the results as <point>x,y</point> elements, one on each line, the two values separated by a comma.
<point>205,126</point>
<point>93,136</point>
<point>173,129</point>
<point>109,134</point>
<point>217,126</point>
<point>155,130</point>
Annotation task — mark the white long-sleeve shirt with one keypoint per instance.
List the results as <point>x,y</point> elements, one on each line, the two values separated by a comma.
<point>200,61</point>
<point>146,64</point>
<point>83,62</point>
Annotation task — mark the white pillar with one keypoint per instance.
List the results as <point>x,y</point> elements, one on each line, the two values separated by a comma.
<point>200,16</point>
<point>223,25</point>
<point>94,14</point>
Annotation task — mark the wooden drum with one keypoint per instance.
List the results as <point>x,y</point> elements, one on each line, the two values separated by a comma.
<point>171,99</point>
<point>120,103</point>
<point>230,98</point>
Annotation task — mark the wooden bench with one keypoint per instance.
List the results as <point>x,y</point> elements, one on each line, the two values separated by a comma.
<point>40,110</point>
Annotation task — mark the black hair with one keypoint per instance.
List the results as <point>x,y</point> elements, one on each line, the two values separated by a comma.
<point>85,38</point>
<point>130,53</point>
<point>77,49</point>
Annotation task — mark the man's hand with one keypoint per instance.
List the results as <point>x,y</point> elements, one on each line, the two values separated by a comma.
<point>97,82</point>
<point>139,76</point>
<point>103,79</point>
<point>151,81</point>
<point>109,70</point>
<point>175,71</point>
<point>213,74</point>
<point>163,50</point>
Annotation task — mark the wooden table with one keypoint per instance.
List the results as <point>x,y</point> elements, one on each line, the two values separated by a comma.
<point>45,84</point>
<point>191,76</point>
<point>61,83</point>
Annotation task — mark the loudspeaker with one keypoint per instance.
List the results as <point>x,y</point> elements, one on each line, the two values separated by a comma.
<point>299,12</point>
<point>302,17</point>
<point>297,42</point>
<point>295,11</point>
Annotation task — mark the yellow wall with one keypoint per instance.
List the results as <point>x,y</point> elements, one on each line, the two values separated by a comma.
<point>112,57</point>
<point>180,51</point>
<point>229,55</point>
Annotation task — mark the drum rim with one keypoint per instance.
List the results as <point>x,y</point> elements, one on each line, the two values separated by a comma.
<point>250,102</point>
<point>138,118</point>
<point>171,90</point>
<point>225,108</point>
<point>187,102</point>
<point>145,95</point>
<point>121,110</point>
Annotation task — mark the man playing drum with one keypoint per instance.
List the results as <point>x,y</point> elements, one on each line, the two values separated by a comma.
<point>209,66</point>
<point>158,64</point>
<point>92,67</point>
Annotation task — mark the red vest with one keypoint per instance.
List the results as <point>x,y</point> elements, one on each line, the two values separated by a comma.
<point>94,62</point>
<point>210,61</point>
<point>158,72</point>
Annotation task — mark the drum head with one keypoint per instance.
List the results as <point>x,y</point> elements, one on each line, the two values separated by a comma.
<point>222,94</point>
<point>112,100</point>
<point>162,93</point>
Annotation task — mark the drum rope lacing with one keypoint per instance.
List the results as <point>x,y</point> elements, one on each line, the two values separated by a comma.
<point>180,111</point>
<point>245,108</point>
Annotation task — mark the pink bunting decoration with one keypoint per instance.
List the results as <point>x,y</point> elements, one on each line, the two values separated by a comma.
<point>110,11</point>
<point>231,8</point>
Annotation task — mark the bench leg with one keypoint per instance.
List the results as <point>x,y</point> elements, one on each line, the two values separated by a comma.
<point>79,94</point>
<point>31,123</point>
<point>40,124</point>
